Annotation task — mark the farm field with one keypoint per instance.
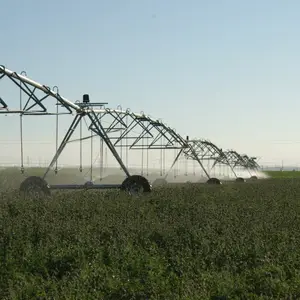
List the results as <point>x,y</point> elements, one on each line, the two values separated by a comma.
<point>283,174</point>
<point>191,241</point>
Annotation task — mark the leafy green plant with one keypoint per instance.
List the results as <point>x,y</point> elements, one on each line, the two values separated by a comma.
<point>236,241</point>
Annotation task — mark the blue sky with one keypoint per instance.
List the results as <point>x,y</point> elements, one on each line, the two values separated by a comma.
<point>223,70</point>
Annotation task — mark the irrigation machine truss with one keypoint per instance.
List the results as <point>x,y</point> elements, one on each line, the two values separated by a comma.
<point>235,159</point>
<point>205,150</point>
<point>116,128</point>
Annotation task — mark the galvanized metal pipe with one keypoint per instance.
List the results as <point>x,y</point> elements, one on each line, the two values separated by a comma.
<point>39,86</point>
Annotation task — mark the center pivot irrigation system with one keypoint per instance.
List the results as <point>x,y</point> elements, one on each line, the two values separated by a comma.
<point>116,128</point>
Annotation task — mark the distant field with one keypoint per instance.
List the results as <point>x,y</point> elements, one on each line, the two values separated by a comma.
<point>283,174</point>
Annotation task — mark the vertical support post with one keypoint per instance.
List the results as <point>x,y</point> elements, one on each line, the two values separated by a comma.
<point>174,162</point>
<point>101,132</point>
<point>164,156</point>
<point>142,171</point>
<point>119,107</point>
<point>64,142</point>
<point>174,171</point>
<point>56,132</point>
<point>147,160</point>
<point>126,140</point>
<point>106,162</point>
<point>161,164</point>
<point>21,126</point>
<point>80,146</point>
<point>195,156</point>
<point>91,172</point>
<point>101,156</point>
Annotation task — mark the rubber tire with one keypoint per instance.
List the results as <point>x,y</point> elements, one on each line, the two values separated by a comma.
<point>214,181</point>
<point>88,184</point>
<point>240,180</point>
<point>136,180</point>
<point>36,183</point>
<point>253,178</point>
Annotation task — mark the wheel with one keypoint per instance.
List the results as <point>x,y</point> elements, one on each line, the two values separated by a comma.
<point>240,179</point>
<point>136,185</point>
<point>253,177</point>
<point>88,184</point>
<point>214,181</point>
<point>35,186</point>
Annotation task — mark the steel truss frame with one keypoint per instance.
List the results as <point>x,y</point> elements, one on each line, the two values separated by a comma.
<point>235,159</point>
<point>148,133</point>
<point>115,127</point>
<point>206,150</point>
<point>192,152</point>
<point>103,122</point>
<point>250,163</point>
<point>199,150</point>
<point>202,149</point>
<point>35,104</point>
<point>151,134</point>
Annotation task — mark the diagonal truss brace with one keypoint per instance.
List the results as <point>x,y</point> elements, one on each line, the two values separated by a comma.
<point>139,131</point>
<point>35,104</point>
<point>3,104</point>
<point>192,154</point>
<point>250,162</point>
<point>100,132</point>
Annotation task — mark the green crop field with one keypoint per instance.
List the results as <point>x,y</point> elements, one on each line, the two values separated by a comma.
<point>283,174</point>
<point>192,241</point>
